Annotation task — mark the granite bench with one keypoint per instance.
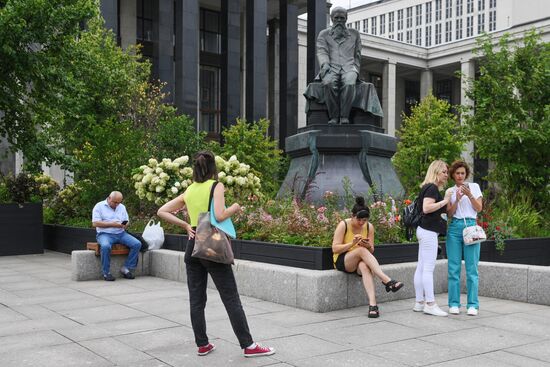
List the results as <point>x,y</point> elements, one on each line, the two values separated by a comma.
<point>329,290</point>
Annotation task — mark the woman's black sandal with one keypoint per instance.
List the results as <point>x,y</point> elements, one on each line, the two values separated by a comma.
<point>373,312</point>
<point>393,286</point>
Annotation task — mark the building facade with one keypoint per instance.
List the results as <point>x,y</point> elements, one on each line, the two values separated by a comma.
<point>223,59</point>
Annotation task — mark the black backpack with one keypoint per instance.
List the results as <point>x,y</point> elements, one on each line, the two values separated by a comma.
<point>412,215</point>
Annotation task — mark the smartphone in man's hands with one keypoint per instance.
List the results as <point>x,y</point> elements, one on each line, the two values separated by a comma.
<point>124,222</point>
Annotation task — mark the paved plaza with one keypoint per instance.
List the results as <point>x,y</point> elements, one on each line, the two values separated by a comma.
<point>48,320</point>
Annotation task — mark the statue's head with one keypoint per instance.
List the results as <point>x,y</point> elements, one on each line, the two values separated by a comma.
<point>339,16</point>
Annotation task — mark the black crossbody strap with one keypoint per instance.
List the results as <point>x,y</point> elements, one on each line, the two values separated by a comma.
<point>211,195</point>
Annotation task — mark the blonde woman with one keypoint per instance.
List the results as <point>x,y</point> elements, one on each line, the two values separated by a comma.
<point>431,226</point>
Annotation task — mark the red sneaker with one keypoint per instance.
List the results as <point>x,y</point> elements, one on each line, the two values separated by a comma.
<point>258,351</point>
<point>206,349</point>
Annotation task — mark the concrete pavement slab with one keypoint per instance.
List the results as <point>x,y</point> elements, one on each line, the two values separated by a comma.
<point>94,315</point>
<point>348,358</point>
<point>480,340</point>
<point>508,358</point>
<point>31,340</point>
<point>473,361</point>
<point>518,323</point>
<point>67,355</point>
<point>540,350</point>
<point>136,325</point>
<point>147,340</point>
<point>115,351</point>
<point>415,352</point>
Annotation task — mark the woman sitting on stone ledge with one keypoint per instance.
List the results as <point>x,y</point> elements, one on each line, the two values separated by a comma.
<point>353,248</point>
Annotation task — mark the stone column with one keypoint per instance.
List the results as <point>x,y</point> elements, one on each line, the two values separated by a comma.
<point>388,96</point>
<point>231,63</point>
<point>166,47</point>
<point>109,11</point>
<point>128,23</point>
<point>187,57</point>
<point>256,59</point>
<point>467,67</point>
<point>273,77</point>
<point>316,22</point>
<point>288,68</point>
<point>426,82</point>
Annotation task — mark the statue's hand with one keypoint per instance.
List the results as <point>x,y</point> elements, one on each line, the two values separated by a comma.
<point>324,69</point>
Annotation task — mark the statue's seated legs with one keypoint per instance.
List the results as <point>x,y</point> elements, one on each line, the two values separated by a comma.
<point>339,95</point>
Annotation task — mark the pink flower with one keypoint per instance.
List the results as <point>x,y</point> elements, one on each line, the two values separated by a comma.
<point>321,209</point>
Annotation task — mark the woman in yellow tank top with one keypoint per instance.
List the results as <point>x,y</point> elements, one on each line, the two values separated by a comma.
<point>353,248</point>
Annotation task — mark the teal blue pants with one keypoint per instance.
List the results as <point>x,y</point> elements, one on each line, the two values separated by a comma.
<point>455,251</point>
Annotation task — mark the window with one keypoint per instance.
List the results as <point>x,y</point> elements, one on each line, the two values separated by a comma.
<point>438,33</point>
<point>444,89</point>
<point>448,31</point>
<point>209,99</point>
<point>459,8</point>
<point>419,15</point>
<point>409,36</point>
<point>348,25</point>
<point>391,24</point>
<point>480,23</point>
<point>437,10</point>
<point>391,36</point>
<point>409,17</point>
<point>382,24</point>
<point>458,29</point>
<point>144,20</point>
<point>492,20</point>
<point>492,4</point>
<point>365,26</point>
<point>480,5</point>
<point>428,12</point>
<point>418,39</point>
<point>428,41</point>
<point>373,25</point>
<point>400,36</point>
<point>470,26</point>
<point>357,24</point>
<point>469,6</point>
<point>210,32</point>
<point>448,9</point>
<point>400,19</point>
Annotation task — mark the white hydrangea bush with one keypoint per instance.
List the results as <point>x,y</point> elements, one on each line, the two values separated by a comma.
<point>160,182</point>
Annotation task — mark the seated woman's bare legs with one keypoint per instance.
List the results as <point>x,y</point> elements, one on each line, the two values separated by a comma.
<point>362,254</point>
<point>368,282</point>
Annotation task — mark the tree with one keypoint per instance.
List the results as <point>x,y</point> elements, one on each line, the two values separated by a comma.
<point>510,123</point>
<point>35,35</point>
<point>431,132</point>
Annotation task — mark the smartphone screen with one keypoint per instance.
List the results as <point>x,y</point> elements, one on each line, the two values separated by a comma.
<point>124,222</point>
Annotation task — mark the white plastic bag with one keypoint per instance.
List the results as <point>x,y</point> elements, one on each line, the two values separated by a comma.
<point>153,235</point>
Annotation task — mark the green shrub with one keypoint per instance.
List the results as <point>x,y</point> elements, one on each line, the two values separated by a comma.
<point>250,143</point>
<point>176,136</point>
<point>431,132</point>
<point>21,188</point>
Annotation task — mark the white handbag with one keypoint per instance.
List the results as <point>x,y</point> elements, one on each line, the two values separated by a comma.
<point>472,234</point>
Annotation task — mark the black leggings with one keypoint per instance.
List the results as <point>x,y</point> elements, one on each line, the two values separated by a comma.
<point>222,275</point>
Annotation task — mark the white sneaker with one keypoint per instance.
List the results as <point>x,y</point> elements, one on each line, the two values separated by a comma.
<point>434,310</point>
<point>454,310</point>
<point>472,311</point>
<point>418,307</point>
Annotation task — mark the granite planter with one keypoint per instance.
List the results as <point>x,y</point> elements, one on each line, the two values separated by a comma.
<point>532,251</point>
<point>21,229</point>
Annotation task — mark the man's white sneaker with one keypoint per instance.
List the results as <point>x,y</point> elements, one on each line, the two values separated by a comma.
<point>434,310</point>
<point>418,307</point>
<point>454,310</point>
<point>472,311</point>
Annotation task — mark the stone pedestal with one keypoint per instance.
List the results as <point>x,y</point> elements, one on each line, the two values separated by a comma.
<point>323,155</point>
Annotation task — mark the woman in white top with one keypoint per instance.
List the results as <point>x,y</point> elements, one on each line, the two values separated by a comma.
<point>466,202</point>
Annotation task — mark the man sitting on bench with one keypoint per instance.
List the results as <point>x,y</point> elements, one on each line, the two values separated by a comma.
<point>110,220</point>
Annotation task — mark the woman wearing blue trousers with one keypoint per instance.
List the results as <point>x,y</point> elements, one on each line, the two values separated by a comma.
<point>466,202</point>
